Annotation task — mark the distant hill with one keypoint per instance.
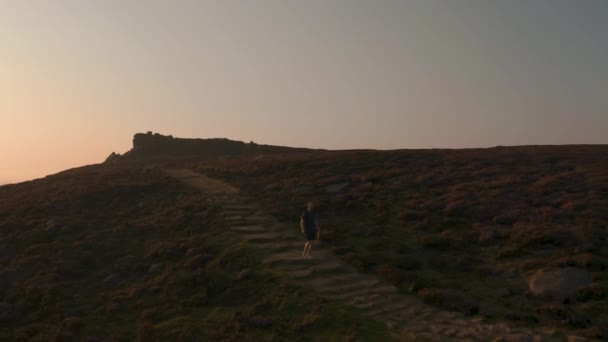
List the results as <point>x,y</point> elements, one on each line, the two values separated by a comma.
<point>154,146</point>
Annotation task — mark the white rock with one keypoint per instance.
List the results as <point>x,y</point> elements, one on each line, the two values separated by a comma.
<point>559,283</point>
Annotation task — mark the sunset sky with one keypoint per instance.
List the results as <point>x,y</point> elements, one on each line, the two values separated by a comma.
<point>79,78</point>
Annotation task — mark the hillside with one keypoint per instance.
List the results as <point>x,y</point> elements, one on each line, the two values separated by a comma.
<point>464,230</point>
<point>122,251</point>
<point>107,252</point>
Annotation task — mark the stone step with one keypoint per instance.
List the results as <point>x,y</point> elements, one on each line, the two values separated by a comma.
<point>331,266</point>
<point>325,282</point>
<point>413,313</point>
<point>324,268</point>
<point>251,229</point>
<point>354,292</point>
<point>224,203</point>
<point>278,246</point>
<point>239,207</point>
<point>372,304</point>
<point>347,288</point>
<point>268,236</point>
<point>397,312</point>
<point>232,217</point>
<point>399,308</point>
<point>241,210</point>
<point>290,258</point>
<point>369,297</point>
<point>301,273</point>
<point>238,215</point>
<point>236,219</point>
<point>262,218</point>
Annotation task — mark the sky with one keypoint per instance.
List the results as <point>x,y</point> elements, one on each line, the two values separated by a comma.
<point>79,78</point>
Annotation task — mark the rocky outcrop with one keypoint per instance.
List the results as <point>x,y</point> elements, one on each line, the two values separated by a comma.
<point>150,145</point>
<point>336,188</point>
<point>559,284</point>
<point>112,157</point>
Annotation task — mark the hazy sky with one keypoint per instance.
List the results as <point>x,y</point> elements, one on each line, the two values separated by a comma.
<point>78,78</point>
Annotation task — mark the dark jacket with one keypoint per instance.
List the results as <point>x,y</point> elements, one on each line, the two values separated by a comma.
<point>309,220</point>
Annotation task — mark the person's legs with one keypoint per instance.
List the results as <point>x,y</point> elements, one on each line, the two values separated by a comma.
<point>310,243</point>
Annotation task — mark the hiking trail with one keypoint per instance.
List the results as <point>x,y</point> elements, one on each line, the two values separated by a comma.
<point>407,317</point>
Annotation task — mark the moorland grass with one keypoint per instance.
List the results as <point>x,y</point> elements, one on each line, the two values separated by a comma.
<point>125,253</point>
<point>458,228</point>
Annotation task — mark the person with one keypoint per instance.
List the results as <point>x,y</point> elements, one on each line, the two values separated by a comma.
<point>310,227</point>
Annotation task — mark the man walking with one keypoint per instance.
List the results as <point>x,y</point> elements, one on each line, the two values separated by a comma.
<point>310,228</point>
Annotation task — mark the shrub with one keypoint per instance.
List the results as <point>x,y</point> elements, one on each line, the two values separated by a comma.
<point>409,263</point>
<point>446,240</point>
<point>592,292</point>
<point>391,274</point>
<point>449,300</point>
<point>531,235</point>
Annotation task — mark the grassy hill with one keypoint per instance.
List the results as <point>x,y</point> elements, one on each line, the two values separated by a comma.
<point>121,251</point>
<point>108,252</point>
<point>462,229</point>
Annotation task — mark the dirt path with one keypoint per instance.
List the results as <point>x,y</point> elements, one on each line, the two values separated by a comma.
<point>202,182</point>
<point>408,318</point>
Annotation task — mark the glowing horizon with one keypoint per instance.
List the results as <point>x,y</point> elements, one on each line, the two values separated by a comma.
<point>78,78</point>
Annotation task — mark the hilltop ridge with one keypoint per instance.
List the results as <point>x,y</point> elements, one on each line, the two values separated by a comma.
<point>156,146</point>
